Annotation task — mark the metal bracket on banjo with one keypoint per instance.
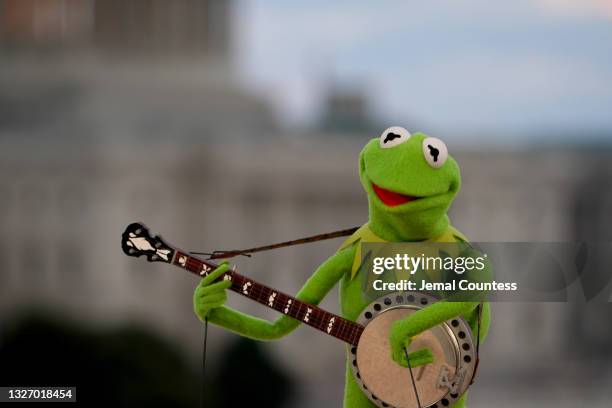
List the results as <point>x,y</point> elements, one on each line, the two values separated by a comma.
<point>453,384</point>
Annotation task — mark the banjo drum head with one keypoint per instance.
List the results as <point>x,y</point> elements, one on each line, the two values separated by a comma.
<point>386,383</point>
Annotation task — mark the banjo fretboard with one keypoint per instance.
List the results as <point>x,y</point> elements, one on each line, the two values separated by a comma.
<point>311,315</point>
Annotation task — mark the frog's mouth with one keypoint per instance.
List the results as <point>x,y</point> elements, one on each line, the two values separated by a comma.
<point>391,198</point>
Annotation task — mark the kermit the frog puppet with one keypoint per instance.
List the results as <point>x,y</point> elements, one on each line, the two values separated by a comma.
<point>410,181</point>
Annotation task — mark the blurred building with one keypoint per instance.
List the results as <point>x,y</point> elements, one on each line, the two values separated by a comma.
<point>346,111</point>
<point>136,27</point>
<point>38,24</point>
<point>187,27</point>
<point>157,69</point>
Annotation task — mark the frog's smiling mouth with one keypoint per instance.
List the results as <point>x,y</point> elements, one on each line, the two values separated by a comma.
<point>391,198</point>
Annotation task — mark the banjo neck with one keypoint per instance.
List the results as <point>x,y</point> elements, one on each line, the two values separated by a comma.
<point>137,241</point>
<point>311,315</point>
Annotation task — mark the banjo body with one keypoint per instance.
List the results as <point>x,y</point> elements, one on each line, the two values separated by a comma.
<point>386,383</point>
<point>383,381</point>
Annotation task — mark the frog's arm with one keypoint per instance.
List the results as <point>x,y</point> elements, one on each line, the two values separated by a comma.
<point>425,319</point>
<point>313,291</point>
<point>402,331</point>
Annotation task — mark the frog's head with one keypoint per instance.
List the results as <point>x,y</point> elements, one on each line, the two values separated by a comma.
<point>411,181</point>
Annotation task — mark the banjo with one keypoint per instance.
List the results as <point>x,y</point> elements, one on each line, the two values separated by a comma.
<point>383,381</point>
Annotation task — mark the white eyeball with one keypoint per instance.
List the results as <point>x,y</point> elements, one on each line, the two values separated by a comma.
<point>435,152</point>
<point>393,136</point>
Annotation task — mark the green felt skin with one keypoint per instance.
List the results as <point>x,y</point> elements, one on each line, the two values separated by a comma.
<point>402,169</point>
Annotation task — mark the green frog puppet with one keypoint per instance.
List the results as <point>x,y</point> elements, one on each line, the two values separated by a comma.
<point>410,181</point>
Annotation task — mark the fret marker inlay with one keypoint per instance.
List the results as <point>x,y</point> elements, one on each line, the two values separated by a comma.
<point>182,260</point>
<point>271,299</point>
<point>308,312</point>
<point>204,270</point>
<point>288,306</point>
<point>331,324</point>
<point>245,288</point>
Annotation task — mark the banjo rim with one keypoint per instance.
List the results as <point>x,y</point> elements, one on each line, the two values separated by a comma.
<point>457,329</point>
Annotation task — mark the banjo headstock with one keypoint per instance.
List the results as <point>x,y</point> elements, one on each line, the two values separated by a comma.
<point>137,240</point>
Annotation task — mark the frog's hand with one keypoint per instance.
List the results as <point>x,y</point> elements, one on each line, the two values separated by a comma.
<point>209,294</point>
<point>404,330</point>
<point>418,358</point>
<point>313,291</point>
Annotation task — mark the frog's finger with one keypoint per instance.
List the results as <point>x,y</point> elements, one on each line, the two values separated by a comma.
<point>210,300</point>
<point>213,305</point>
<point>421,357</point>
<point>214,275</point>
<point>214,288</point>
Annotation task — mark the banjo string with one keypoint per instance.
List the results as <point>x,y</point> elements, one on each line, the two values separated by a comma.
<point>478,324</point>
<point>414,387</point>
<point>203,386</point>
<point>478,330</point>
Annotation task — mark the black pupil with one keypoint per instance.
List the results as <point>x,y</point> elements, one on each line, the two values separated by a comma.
<point>391,136</point>
<point>434,152</point>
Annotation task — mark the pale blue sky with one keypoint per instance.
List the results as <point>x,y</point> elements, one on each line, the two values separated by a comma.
<point>512,67</point>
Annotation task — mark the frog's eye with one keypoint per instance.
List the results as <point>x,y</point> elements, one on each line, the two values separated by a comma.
<point>435,152</point>
<point>393,136</point>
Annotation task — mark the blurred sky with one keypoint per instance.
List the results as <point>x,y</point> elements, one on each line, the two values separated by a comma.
<point>516,67</point>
